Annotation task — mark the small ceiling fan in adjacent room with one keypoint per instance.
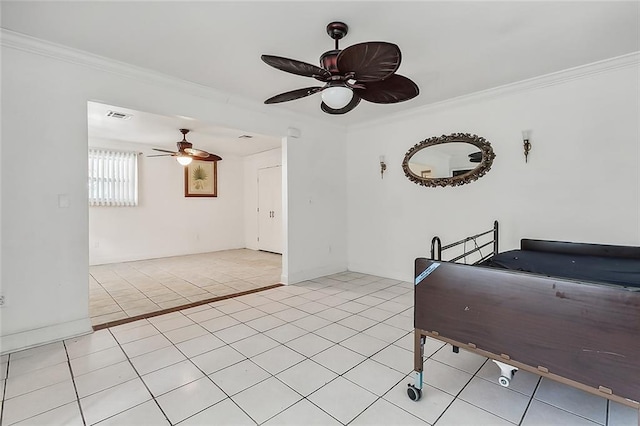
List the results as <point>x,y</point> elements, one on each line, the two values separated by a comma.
<point>186,153</point>
<point>475,157</point>
<point>362,71</point>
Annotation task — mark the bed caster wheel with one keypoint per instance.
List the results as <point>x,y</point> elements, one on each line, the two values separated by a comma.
<point>506,378</point>
<point>504,381</point>
<point>414,393</point>
<point>506,373</point>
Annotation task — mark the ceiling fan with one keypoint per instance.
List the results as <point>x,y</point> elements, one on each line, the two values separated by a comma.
<point>475,157</point>
<point>186,153</point>
<point>362,71</point>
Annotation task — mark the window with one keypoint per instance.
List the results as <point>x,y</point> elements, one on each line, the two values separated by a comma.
<point>113,178</point>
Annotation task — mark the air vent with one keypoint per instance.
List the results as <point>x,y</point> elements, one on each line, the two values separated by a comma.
<point>245,137</point>
<point>119,115</point>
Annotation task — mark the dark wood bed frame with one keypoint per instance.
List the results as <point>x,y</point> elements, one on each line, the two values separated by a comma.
<point>584,334</point>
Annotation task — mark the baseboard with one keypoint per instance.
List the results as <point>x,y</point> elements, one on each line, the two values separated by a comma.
<point>97,260</point>
<point>385,272</point>
<point>41,336</point>
<point>309,274</point>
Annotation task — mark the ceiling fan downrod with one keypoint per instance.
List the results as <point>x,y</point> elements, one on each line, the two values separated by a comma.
<point>337,30</point>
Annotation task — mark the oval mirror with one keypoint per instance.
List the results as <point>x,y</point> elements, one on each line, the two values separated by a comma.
<point>450,160</point>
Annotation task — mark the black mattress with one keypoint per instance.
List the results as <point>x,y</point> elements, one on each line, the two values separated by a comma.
<point>612,270</point>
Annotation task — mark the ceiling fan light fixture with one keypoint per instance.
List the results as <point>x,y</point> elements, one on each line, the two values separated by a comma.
<point>184,160</point>
<point>337,97</point>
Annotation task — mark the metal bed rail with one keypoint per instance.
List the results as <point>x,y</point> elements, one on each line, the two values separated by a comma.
<point>437,248</point>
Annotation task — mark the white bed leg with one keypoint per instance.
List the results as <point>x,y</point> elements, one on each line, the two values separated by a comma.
<point>506,373</point>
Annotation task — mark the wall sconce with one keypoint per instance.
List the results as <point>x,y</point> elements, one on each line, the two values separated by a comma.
<point>383,166</point>
<point>526,136</point>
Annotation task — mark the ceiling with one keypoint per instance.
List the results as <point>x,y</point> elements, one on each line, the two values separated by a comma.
<point>158,131</point>
<point>449,48</point>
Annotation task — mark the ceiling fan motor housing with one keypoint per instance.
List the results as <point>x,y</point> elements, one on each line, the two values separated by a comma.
<point>184,145</point>
<point>329,61</point>
<point>185,149</point>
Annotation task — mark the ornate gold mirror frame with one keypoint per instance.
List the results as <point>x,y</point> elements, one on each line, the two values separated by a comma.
<point>483,167</point>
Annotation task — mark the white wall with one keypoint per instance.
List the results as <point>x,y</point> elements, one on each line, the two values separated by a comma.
<point>45,254</point>
<point>315,197</point>
<point>581,182</point>
<point>252,163</point>
<point>165,222</point>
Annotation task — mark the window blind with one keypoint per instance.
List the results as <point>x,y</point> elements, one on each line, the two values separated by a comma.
<point>113,178</point>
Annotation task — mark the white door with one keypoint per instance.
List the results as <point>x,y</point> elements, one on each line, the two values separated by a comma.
<point>270,209</point>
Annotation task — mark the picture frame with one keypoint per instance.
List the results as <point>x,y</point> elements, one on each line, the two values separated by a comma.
<point>201,179</point>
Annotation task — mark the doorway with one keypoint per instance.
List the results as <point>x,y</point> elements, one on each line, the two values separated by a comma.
<point>169,250</point>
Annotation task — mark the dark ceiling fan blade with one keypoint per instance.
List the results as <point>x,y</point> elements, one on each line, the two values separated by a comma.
<point>296,67</point>
<point>196,152</point>
<point>294,94</point>
<point>394,89</point>
<point>371,61</point>
<point>161,155</point>
<point>211,157</point>
<point>351,105</point>
<point>164,150</point>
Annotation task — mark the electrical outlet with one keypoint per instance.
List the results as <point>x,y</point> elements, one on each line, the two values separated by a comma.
<point>1,301</point>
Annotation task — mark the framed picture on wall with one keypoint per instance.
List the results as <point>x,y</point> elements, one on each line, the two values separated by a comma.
<point>201,179</point>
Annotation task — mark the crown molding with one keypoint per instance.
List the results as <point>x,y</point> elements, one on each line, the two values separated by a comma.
<point>59,52</point>
<point>552,79</point>
<point>33,45</point>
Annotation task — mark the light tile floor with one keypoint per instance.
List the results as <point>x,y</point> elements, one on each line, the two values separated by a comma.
<point>332,351</point>
<point>122,290</point>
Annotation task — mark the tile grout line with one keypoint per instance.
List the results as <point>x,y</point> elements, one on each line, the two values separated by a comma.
<point>135,266</point>
<point>165,311</point>
<point>242,322</point>
<point>205,375</point>
<point>378,397</point>
<point>284,297</point>
<point>280,343</point>
<point>231,365</point>
<point>50,409</point>
<point>338,375</point>
<point>143,382</point>
<point>530,400</point>
<point>455,397</point>
<point>288,322</point>
<point>4,391</point>
<point>73,380</point>
<point>571,412</point>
